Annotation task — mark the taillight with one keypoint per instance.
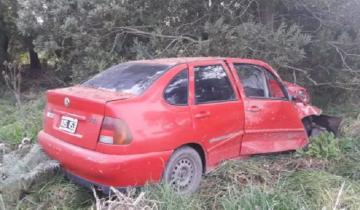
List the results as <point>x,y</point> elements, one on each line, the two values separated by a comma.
<point>114,131</point>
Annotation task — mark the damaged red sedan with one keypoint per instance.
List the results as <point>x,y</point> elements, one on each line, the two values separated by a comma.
<point>174,119</point>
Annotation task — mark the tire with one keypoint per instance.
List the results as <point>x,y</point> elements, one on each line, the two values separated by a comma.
<point>183,171</point>
<point>318,130</point>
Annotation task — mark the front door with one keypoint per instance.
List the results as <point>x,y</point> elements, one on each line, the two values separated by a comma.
<point>271,120</point>
<point>217,110</point>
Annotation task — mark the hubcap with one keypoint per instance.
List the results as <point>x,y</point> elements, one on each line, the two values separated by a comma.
<point>182,174</point>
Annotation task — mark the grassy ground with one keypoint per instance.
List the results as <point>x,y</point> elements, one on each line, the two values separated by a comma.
<point>17,123</point>
<point>325,176</point>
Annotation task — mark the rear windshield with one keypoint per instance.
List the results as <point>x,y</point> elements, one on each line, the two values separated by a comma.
<point>132,78</point>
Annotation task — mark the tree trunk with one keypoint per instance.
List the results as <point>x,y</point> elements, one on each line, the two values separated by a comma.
<point>34,59</point>
<point>266,15</point>
<point>35,65</point>
<point>4,43</point>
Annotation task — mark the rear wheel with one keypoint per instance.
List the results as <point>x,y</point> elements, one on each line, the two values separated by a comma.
<point>184,170</point>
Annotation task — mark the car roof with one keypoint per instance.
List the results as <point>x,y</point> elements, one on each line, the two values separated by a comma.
<point>184,60</point>
<point>180,60</point>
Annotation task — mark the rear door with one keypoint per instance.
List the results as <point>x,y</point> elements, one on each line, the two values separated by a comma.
<point>271,120</point>
<point>217,110</point>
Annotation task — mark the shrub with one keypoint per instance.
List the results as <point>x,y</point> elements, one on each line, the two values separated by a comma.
<point>324,146</point>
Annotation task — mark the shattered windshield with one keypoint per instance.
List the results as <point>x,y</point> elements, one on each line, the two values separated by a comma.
<point>132,78</point>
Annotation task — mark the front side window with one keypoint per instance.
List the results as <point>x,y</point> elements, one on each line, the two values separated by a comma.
<point>129,77</point>
<point>176,92</point>
<point>212,84</point>
<point>253,80</point>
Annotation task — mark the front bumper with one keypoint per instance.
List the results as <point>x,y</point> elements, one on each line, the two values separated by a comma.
<point>105,169</point>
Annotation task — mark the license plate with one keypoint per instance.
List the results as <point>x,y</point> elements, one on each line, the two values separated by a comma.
<point>68,124</point>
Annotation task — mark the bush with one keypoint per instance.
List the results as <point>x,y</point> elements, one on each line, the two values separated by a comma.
<point>324,146</point>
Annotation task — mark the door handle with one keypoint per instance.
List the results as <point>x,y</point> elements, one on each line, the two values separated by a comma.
<point>254,109</point>
<point>202,114</point>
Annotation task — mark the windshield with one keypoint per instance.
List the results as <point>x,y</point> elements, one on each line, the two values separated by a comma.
<point>132,78</point>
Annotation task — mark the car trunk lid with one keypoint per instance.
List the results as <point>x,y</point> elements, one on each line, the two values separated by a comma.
<point>75,114</point>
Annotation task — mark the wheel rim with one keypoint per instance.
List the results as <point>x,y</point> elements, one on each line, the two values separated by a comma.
<point>182,174</point>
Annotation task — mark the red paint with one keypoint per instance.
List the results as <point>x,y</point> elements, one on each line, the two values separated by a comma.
<point>304,109</point>
<point>229,129</point>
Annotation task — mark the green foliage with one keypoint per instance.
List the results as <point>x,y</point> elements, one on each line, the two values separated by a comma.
<point>84,37</point>
<point>282,47</point>
<point>8,9</point>
<point>324,146</point>
<point>311,42</point>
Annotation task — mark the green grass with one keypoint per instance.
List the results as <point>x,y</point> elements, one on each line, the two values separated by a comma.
<point>17,123</point>
<point>310,179</point>
<point>255,197</point>
<point>320,189</point>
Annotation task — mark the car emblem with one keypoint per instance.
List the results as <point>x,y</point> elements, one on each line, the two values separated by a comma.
<point>66,101</point>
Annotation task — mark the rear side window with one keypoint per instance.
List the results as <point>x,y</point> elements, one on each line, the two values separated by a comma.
<point>253,80</point>
<point>275,87</point>
<point>212,84</point>
<point>132,78</point>
<point>176,92</point>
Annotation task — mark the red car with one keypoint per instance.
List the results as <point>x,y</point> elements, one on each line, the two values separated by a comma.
<point>174,119</point>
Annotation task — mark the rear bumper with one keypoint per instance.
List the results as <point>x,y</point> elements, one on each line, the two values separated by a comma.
<point>105,169</point>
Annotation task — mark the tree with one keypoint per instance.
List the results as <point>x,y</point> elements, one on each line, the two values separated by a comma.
<point>4,40</point>
<point>87,36</point>
<point>9,34</point>
<point>5,11</point>
<point>312,42</point>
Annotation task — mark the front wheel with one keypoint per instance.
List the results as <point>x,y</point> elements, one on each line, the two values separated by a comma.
<point>183,171</point>
<point>317,131</point>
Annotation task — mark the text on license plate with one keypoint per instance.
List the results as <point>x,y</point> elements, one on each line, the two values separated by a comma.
<point>68,124</point>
